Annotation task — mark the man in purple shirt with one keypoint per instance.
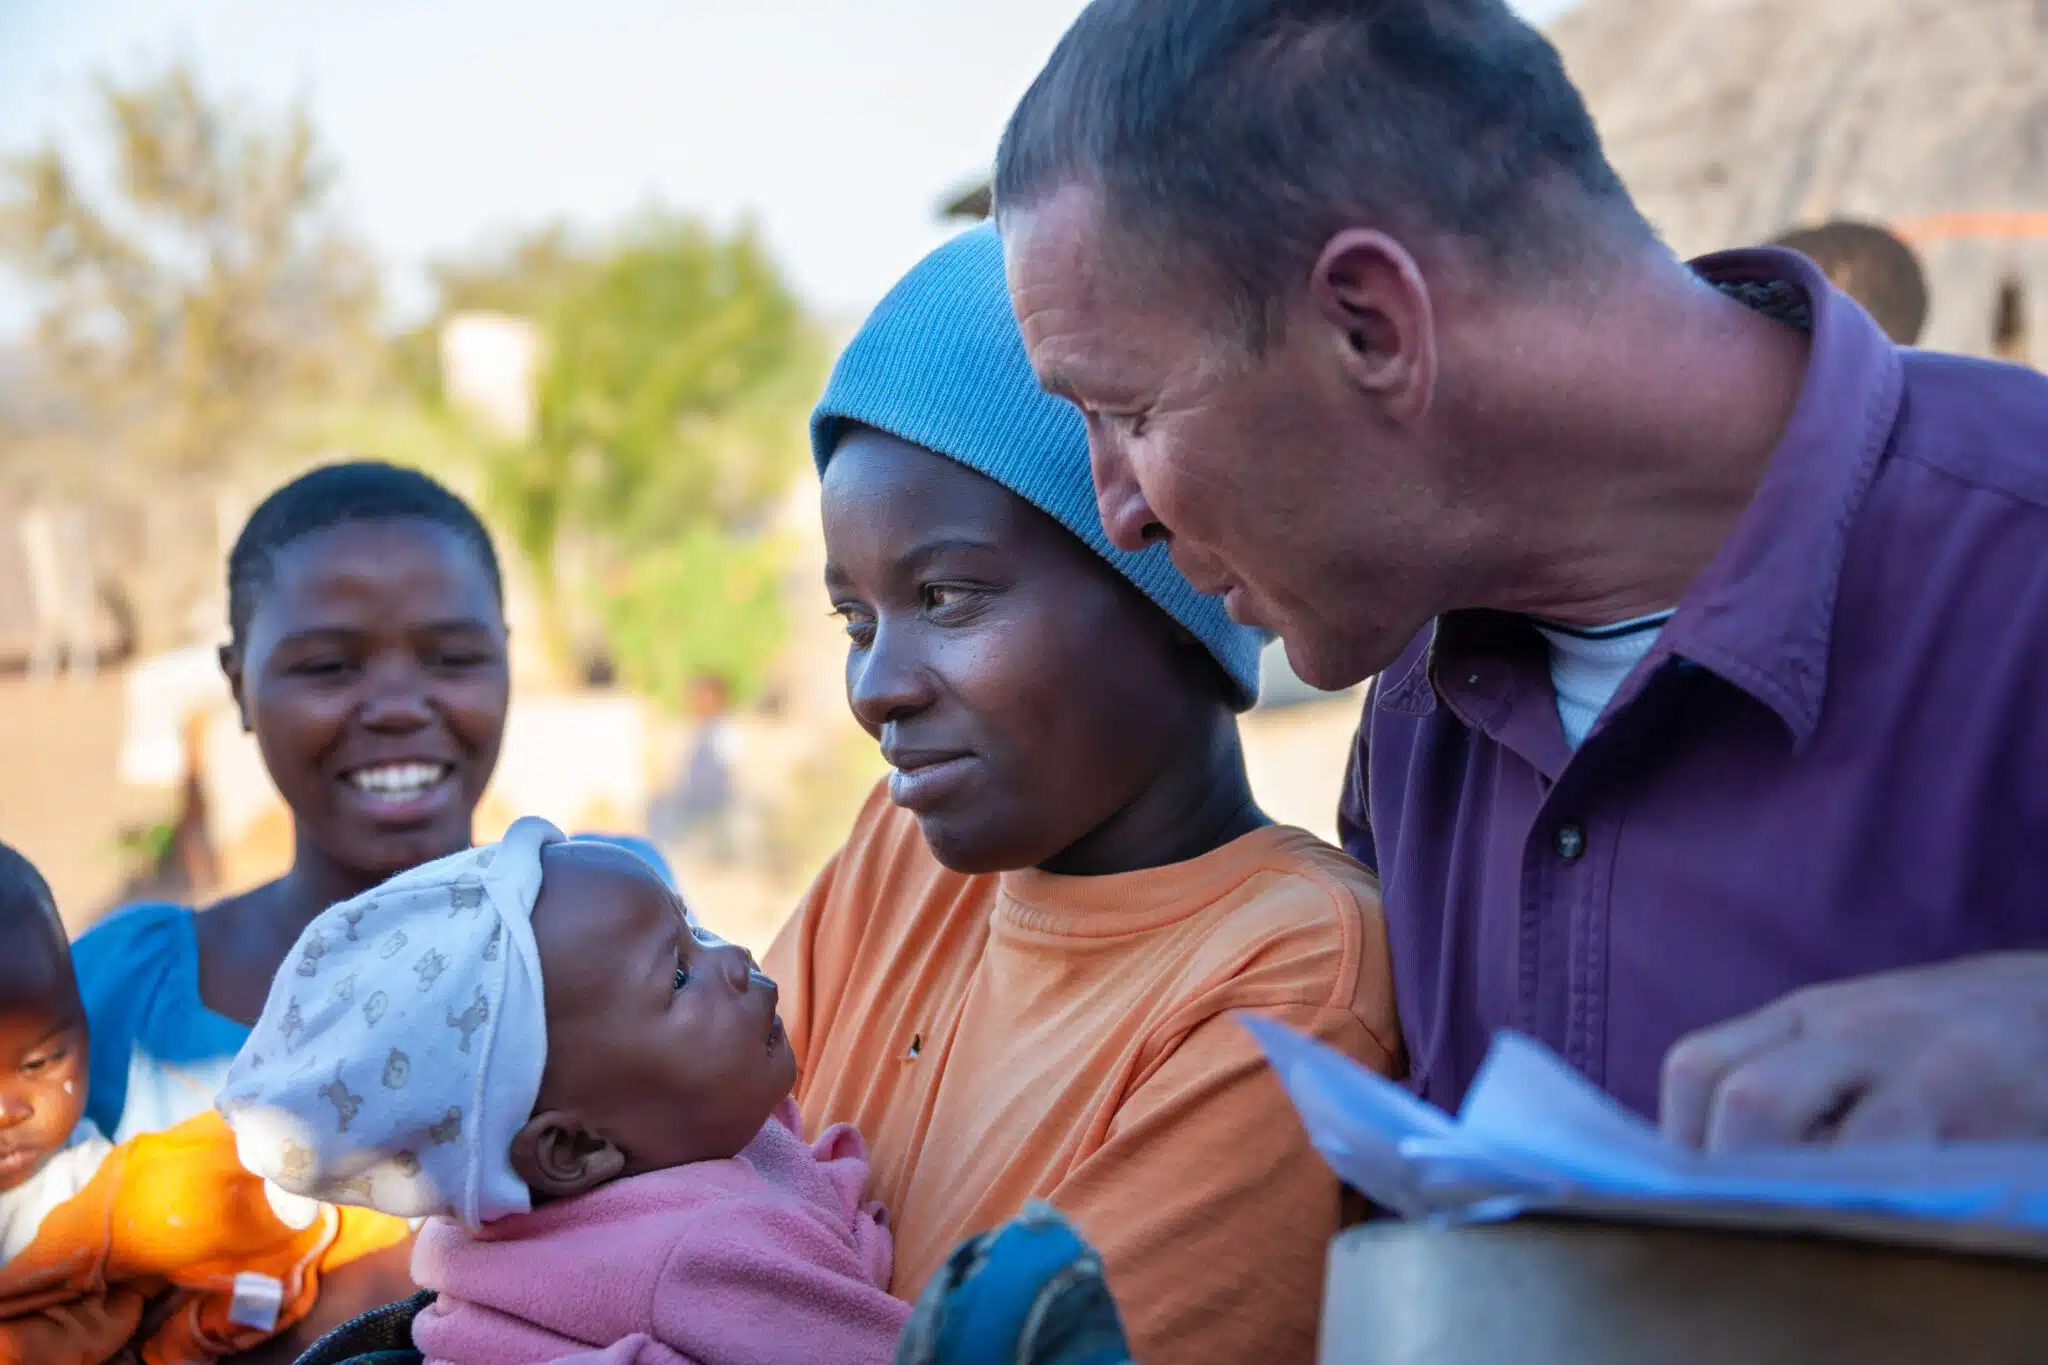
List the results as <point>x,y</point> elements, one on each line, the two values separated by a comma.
<point>1709,741</point>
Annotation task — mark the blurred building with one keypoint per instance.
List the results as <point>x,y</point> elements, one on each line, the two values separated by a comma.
<point>489,365</point>
<point>1734,121</point>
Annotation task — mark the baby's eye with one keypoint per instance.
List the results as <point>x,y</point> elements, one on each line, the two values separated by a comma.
<point>682,977</point>
<point>35,1065</point>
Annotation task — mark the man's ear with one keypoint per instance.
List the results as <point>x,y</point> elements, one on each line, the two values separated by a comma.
<point>1368,289</point>
<point>231,669</point>
<point>558,1156</point>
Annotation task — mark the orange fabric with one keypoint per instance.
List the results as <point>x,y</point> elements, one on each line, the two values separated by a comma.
<point>169,1211</point>
<point>998,1039</point>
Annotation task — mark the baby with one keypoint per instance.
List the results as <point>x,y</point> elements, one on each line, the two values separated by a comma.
<point>528,1045</point>
<point>166,1228</point>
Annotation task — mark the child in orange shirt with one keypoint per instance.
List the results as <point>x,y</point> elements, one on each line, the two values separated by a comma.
<point>1019,977</point>
<point>168,1227</point>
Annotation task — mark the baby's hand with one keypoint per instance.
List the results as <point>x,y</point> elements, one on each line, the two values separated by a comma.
<point>85,1332</point>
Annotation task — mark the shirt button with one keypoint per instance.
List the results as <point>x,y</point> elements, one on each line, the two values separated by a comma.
<point>1570,843</point>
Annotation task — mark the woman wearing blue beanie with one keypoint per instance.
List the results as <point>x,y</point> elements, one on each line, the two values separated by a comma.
<point>1018,976</point>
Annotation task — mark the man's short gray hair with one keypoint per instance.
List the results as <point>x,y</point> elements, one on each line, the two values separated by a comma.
<point>1241,135</point>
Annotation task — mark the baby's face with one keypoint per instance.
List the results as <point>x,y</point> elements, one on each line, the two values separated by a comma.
<point>42,1068</point>
<point>665,1046</point>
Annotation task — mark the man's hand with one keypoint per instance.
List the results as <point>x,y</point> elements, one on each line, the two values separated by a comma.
<point>1930,1054</point>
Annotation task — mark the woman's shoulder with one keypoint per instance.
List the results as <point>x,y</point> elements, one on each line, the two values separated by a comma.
<point>886,849</point>
<point>1291,877</point>
<point>133,943</point>
<point>883,892</point>
<point>1303,926</point>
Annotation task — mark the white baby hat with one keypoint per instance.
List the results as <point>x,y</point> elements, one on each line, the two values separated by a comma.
<point>402,1045</point>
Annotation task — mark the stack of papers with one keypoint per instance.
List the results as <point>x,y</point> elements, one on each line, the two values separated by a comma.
<point>1535,1137</point>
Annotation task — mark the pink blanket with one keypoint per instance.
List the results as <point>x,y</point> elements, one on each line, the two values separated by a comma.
<point>771,1258</point>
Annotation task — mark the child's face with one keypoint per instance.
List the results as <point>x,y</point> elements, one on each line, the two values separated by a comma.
<point>42,1058</point>
<point>1024,691</point>
<point>667,1049</point>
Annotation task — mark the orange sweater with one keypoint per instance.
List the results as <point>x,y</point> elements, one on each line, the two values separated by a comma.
<point>171,1210</point>
<point>1003,1038</point>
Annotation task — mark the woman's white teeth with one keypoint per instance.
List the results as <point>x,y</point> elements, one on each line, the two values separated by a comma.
<point>398,779</point>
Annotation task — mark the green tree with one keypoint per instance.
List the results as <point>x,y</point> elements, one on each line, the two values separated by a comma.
<point>678,368</point>
<point>192,292</point>
<point>205,290</point>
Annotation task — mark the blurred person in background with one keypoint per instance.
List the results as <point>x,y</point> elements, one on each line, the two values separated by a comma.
<point>699,811</point>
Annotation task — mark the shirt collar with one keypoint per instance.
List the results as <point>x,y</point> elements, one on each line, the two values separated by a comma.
<point>1761,615</point>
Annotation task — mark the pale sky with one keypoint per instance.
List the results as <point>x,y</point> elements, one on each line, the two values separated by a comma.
<point>838,124</point>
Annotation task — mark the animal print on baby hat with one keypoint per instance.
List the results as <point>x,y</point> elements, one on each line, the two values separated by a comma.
<point>402,1045</point>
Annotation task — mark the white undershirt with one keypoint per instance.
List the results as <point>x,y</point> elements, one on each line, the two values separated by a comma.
<point>1588,666</point>
<point>23,1208</point>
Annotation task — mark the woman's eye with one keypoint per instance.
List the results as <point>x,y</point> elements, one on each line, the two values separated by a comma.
<point>319,668</point>
<point>940,596</point>
<point>860,627</point>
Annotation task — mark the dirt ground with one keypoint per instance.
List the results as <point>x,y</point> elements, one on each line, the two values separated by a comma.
<point>60,802</point>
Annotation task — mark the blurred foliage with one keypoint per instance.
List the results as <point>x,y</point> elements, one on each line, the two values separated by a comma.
<point>201,321</point>
<point>180,307</point>
<point>190,290</point>
<point>677,368</point>
<point>708,603</point>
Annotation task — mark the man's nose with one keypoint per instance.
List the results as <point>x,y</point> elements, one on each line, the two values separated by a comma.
<point>1127,518</point>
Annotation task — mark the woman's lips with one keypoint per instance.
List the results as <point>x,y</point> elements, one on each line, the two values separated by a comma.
<point>401,793</point>
<point>927,782</point>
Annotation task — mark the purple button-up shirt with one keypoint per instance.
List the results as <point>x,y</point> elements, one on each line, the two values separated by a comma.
<point>1833,762</point>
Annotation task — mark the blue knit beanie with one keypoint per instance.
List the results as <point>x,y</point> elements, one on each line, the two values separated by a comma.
<point>940,364</point>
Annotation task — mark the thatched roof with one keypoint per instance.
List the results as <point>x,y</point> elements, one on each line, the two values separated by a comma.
<point>1733,120</point>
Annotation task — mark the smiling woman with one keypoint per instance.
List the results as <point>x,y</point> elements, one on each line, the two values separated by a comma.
<point>366,654</point>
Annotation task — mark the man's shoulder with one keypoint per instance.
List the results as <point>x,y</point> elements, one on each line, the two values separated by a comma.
<point>1979,423</point>
<point>1956,513</point>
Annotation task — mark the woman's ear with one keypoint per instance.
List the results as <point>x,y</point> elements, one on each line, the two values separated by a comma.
<point>231,669</point>
<point>557,1156</point>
